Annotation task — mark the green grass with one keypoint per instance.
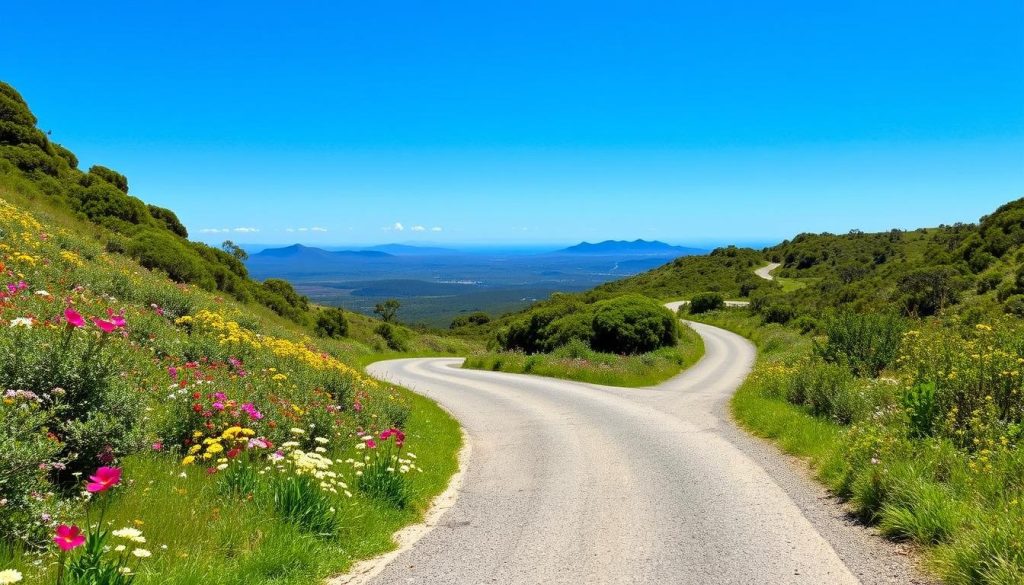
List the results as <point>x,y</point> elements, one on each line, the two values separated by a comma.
<point>580,363</point>
<point>240,541</point>
<point>963,509</point>
<point>792,284</point>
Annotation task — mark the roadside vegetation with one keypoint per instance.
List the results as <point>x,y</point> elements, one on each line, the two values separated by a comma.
<point>576,361</point>
<point>894,364</point>
<point>626,340</point>
<point>164,427</point>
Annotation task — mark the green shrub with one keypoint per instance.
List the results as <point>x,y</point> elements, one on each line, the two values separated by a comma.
<point>392,337</point>
<point>922,409</point>
<point>110,176</point>
<point>705,302</point>
<point>477,318</point>
<point>632,324</point>
<point>331,322</point>
<point>159,250</point>
<point>867,343</point>
<point>169,219</point>
<point>1014,305</point>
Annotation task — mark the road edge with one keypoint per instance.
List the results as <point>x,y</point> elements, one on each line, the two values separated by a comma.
<point>364,571</point>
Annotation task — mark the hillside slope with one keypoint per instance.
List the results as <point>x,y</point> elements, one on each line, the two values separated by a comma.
<point>198,403</point>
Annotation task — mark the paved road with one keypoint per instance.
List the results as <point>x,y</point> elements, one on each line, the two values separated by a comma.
<point>577,483</point>
<point>765,272</point>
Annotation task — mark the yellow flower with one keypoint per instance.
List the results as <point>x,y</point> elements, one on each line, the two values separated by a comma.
<point>188,460</point>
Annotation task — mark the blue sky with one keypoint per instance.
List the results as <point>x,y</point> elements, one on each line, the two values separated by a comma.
<point>535,122</point>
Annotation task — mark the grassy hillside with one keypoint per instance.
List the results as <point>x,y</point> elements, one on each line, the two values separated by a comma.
<point>892,362</point>
<point>198,407</point>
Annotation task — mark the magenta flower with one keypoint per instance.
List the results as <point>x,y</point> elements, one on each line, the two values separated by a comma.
<point>172,372</point>
<point>68,537</point>
<point>158,446</point>
<point>73,318</point>
<point>370,443</point>
<point>116,318</point>
<point>251,410</point>
<point>104,479</point>
<point>393,432</point>
<point>106,326</point>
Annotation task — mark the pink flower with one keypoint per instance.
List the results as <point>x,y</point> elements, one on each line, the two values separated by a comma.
<point>73,318</point>
<point>116,318</point>
<point>251,410</point>
<point>68,537</point>
<point>106,326</point>
<point>104,479</point>
<point>371,444</point>
<point>158,446</point>
<point>172,372</point>
<point>393,432</point>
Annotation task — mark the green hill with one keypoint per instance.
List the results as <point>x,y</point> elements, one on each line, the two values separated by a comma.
<point>234,412</point>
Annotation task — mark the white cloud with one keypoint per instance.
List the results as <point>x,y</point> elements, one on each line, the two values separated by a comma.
<point>245,230</point>
<point>398,227</point>
<point>289,230</point>
<point>302,229</point>
<point>437,228</point>
<point>418,228</point>
<point>214,231</point>
<point>318,229</point>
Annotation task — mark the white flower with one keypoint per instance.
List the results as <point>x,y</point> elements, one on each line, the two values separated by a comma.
<point>43,293</point>
<point>222,466</point>
<point>25,322</point>
<point>8,576</point>
<point>297,431</point>
<point>142,553</point>
<point>132,534</point>
<point>119,548</point>
<point>322,440</point>
<point>360,445</point>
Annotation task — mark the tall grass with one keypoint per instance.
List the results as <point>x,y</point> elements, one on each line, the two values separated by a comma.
<point>906,459</point>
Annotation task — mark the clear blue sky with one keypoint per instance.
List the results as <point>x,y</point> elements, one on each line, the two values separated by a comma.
<point>536,122</point>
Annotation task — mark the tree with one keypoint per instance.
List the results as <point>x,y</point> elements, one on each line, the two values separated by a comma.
<point>235,250</point>
<point>387,310</point>
<point>632,324</point>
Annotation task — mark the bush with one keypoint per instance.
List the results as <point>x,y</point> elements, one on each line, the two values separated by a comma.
<point>828,390</point>
<point>169,219</point>
<point>478,318</point>
<point>158,250</point>
<point>391,337</point>
<point>632,324</point>
<point>866,343</point>
<point>331,322</point>
<point>1014,305</point>
<point>704,302</point>
<point>110,176</point>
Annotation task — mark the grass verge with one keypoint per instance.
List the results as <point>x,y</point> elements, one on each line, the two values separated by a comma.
<point>578,362</point>
<point>961,503</point>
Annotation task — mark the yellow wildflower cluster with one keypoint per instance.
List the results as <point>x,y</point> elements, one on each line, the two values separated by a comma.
<point>211,447</point>
<point>231,333</point>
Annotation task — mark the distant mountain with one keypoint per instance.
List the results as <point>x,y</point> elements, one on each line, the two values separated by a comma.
<point>407,250</point>
<point>300,252</point>
<point>634,248</point>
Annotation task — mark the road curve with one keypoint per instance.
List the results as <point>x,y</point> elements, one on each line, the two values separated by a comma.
<point>765,272</point>
<point>579,483</point>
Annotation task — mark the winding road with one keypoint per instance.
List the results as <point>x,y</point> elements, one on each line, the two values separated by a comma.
<point>578,483</point>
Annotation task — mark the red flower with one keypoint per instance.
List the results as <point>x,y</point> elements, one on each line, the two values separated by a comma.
<point>104,479</point>
<point>234,453</point>
<point>73,318</point>
<point>393,432</point>
<point>371,444</point>
<point>68,537</point>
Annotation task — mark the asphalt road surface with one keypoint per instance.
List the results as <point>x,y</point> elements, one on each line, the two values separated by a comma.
<point>577,483</point>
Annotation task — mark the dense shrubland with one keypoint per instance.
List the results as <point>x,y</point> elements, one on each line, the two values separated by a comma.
<point>33,165</point>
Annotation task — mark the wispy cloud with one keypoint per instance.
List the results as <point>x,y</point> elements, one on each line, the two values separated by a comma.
<point>214,230</point>
<point>305,229</point>
<point>397,227</point>
<point>418,228</point>
<point>246,230</point>
<point>437,228</point>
